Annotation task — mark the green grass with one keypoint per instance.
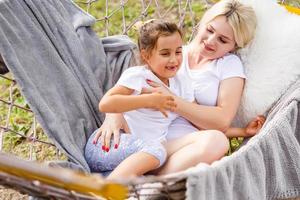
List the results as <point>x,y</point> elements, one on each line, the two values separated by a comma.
<point>295,3</point>
<point>21,121</point>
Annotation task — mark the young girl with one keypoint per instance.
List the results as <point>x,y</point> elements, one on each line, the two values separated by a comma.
<point>148,116</point>
<point>218,76</point>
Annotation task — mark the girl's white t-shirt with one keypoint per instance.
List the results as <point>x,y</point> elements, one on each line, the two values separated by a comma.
<point>205,83</point>
<point>151,124</point>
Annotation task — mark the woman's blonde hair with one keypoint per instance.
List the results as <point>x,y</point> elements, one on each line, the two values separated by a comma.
<point>240,17</point>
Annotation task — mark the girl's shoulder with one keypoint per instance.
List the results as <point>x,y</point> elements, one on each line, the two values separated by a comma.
<point>135,70</point>
<point>133,78</point>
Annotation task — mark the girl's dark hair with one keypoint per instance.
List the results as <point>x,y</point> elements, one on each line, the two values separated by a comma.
<point>150,31</point>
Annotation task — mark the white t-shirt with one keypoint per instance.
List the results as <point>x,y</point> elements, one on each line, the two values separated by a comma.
<point>148,123</point>
<point>206,83</point>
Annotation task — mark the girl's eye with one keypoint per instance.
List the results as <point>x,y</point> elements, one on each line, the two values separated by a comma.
<point>178,52</point>
<point>164,54</point>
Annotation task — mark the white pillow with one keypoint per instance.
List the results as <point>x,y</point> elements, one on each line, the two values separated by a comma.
<point>272,60</point>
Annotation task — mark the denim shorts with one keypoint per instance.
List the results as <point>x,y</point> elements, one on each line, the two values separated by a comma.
<point>101,161</point>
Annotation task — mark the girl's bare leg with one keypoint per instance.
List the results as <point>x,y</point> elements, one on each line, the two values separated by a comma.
<point>203,146</point>
<point>136,164</point>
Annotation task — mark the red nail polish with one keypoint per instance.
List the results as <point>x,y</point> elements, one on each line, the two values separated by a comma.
<point>107,149</point>
<point>103,148</point>
<point>94,142</point>
<point>116,146</point>
<point>148,80</point>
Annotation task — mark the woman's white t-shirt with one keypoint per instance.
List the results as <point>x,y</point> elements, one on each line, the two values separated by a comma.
<point>205,82</point>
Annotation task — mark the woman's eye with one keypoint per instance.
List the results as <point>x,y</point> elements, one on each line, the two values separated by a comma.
<point>209,30</point>
<point>222,40</point>
<point>164,54</point>
<point>178,52</point>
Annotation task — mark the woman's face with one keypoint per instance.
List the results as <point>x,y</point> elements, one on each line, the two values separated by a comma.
<point>216,38</point>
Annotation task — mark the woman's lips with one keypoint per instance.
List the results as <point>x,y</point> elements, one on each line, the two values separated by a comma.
<point>207,47</point>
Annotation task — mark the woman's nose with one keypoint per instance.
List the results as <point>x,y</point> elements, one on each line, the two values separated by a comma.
<point>211,39</point>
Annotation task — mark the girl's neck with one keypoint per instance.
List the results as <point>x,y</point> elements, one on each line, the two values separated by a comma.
<point>164,80</point>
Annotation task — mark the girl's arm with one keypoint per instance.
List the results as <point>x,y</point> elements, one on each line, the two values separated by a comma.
<point>119,99</point>
<point>214,117</point>
<point>111,127</point>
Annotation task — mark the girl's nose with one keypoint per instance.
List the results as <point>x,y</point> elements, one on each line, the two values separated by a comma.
<point>173,59</point>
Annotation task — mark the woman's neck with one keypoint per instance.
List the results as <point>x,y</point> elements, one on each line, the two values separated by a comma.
<point>195,60</point>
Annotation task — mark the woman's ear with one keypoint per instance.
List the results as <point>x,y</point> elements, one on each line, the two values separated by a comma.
<point>235,49</point>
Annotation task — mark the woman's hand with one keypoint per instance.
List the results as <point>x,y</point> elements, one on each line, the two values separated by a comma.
<point>156,87</point>
<point>255,125</point>
<point>162,103</point>
<point>111,126</point>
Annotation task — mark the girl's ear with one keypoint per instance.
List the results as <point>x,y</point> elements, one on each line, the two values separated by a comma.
<point>144,56</point>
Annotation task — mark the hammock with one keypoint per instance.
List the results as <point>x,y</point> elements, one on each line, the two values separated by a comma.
<point>65,68</point>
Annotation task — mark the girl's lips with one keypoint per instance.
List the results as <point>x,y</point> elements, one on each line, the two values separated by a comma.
<point>171,68</point>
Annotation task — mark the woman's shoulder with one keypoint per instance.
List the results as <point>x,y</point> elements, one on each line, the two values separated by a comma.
<point>230,65</point>
<point>229,58</point>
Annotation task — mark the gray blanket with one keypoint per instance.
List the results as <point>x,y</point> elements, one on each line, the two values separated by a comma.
<point>61,66</point>
<point>268,167</point>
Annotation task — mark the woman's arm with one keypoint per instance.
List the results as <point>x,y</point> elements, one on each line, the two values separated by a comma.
<point>119,99</point>
<point>251,129</point>
<point>214,117</point>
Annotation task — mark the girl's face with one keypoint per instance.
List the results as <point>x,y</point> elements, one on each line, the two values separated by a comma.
<point>216,38</point>
<point>165,59</point>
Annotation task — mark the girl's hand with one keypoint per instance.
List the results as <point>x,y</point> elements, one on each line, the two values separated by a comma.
<point>156,87</point>
<point>162,103</point>
<point>111,126</point>
<point>255,125</point>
